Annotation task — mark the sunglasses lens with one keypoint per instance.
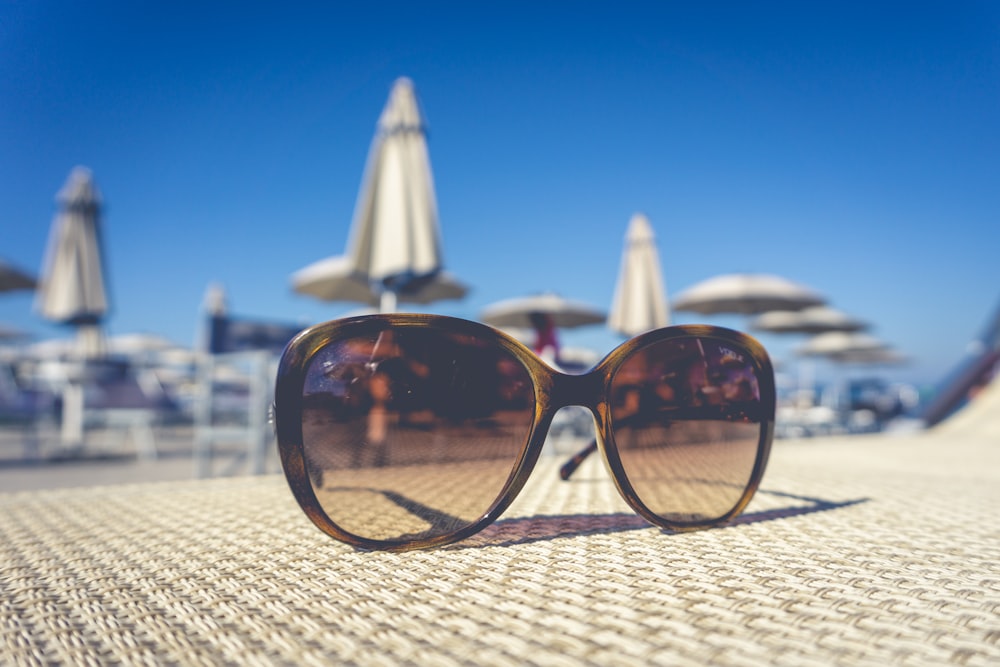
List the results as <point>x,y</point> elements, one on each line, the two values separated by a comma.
<point>686,417</point>
<point>412,433</point>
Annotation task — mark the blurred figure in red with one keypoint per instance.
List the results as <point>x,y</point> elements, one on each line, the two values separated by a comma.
<point>546,342</point>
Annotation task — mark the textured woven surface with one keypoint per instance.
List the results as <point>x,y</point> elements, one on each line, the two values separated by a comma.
<point>857,551</point>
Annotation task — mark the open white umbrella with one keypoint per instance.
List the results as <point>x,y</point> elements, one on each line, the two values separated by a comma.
<point>138,344</point>
<point>812,320</point>
<point>72,289</point>
<point>640,300</point>
<point>845,346</point>
<point>335,279</point>
<point>13,278</point>
<point>564,313</point>
<point>9,334</point>
<point>886,356</point>
<point>747,294</point>
<point>544,314</point>
<point>394,251</point>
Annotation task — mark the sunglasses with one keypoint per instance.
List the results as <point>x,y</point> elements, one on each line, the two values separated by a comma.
<point>405,431</point>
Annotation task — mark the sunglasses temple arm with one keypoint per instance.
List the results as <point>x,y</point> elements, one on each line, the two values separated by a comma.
<point>570,466</point>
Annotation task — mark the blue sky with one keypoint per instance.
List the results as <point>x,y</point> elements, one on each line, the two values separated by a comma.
<point>853,147</point>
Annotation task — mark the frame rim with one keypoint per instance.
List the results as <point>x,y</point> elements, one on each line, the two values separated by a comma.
<point>552,391</point>
<point>608,445</point>
<point>288,420</point>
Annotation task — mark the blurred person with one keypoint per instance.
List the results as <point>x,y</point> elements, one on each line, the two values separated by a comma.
<point>546,342</point>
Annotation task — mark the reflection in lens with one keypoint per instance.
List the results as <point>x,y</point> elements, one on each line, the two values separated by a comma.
<point>685,417</point>
<point>413,432</point>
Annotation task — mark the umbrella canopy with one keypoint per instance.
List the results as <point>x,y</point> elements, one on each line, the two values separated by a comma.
<point>13,278</point>
<point>335,279</point>
<point>812,320</point>
<point>747,294</point>
<point>882,357</point>
<point>9,334</point>
<point>72,289</point>
<point>640,300</point>
<point>564,313</point>
<point>51,349</point>
<point>843,345</point>
<point>394,247</point>
<point>138,343</point>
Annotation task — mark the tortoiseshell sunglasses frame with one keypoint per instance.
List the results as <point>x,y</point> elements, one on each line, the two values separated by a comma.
<point>553,390</point>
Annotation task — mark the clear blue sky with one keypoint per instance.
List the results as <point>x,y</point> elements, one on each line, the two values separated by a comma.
<point>853,147</point>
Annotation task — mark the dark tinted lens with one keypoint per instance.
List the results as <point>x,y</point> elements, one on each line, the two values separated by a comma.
<point>412,433</point>
<point>686,418</point>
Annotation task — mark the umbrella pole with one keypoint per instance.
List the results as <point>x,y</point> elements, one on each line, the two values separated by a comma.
<point>807,381</point>
<point>72,415</point>
<point>90,342</point>
<point>387,301</point>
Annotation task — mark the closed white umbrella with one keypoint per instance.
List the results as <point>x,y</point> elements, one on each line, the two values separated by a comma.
<point>747,294</point>
<point>394,252</point>
<point>72,289</point>
<point>640,298</point>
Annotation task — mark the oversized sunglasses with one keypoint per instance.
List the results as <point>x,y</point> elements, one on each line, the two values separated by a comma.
<point>406,431</point>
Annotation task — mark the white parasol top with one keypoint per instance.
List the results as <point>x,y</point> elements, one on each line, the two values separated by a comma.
<point>640,299</point>
<point>746,293</point>
<point>565,313</point>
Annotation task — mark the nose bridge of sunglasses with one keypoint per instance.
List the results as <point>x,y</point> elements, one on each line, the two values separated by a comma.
<point>579,390</point>
<point>585,390</point>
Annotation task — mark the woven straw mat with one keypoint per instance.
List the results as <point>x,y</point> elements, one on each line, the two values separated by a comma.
<point>871,550</point>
